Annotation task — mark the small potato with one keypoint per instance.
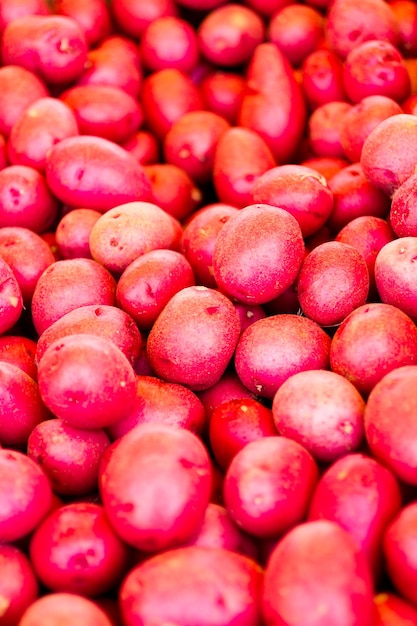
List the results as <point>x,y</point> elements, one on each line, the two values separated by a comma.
<point>193,339</point>
<point>11,300</point>
<point>19,88</point>
<point>19,587</point>
<point>76,390</point>
<point>56,607</point>
<point>324,575</point>
<point>193,586</point>
<point>94,173</point>
<point>155,484</point>
<point>400,552</point>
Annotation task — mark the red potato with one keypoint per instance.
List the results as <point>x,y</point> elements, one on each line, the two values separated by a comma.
<point>199,237</point>
<point>333,281</point>
<point>41,125</point>
<point>324,128</point>
<point>21,408</point>
<point>322,78</point>
<point>77,391</point>
<point>18,587</point>
<point>161,112</point>
<point>123,46</point>
<point>112,63</point>
<point>228,35</point>
<point>368,234</point>
<point>129,230</point>
<point>234,424</point>
<point>241,157</point>
<point>134,16</point>
<point>155,484</point>
<point>12,9</point>
<point>104,320</point>
<point>322,411</point>
<point>144,146</point>
<point>392,441</point>
<point>19,351</point>
<point>297,30</point>
<point>351,22</point>
<point>52,46</point>
<point>403,211</point>
<point>93,17</point>
<point>69,456</point>
<point>400,553</point>
<point>54,608</point>
<point>191,143</point>
<point>373,340</point>
<point>363,497</point>
<point>263,270</point>
<point>222,92</point>
<point>376,67</point>
<point>169,41</point>
<point>193,586</point>
<point>325,576</point>
<point>383,164</point>
<point>206,328</point>
<point>361,119</point>
<point>173,190</point>
<point>219,531</point>
<point>75,550</point>
<point>73,233</point>
<point>95,173</point>
<point>11,300</point>
<point>268,486</point>
<point>273,104</point>
<point>149,282</point>
<point>27,255</point>
<point>228,387</point>
<point>393,610</point>
<point>159,402</point>
<point>104,111</point>
<point>354,196</point>
<point>25,199</point>
<point>68,284</point>
<point>327,166</point>
<point>18,89</point>
<point>300,190</point>
<point>395,274</point>
<point>26,499</point>
<point>274,348</point>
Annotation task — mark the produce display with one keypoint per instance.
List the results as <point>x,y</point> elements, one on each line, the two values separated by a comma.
<point>208,313</point>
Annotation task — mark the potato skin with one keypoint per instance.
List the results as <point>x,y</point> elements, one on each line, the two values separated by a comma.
<point>193,586</point>
<point>95,173</point>
<point>317,570</point>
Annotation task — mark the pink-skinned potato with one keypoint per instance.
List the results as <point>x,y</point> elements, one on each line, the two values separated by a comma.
<point>400,552</point>
<point>193,586</point>
<point>361,495</point>
<point>11,300</point>
<point>193,339</point>
<point>68,284</point>
<point>272,349</point>
<point>258,253</point>
<point>128,231</point>
<point>56,607</point>
<point>18,89</point>
<point>391,440</point>
<point>373,340</point>
<point>20,351</point>
<point>76,390</point>
<point>105,320</point>
<point>155,483</point>
<point>384,163</point>
<point>19,587</point>
<point>273,104</point>
<point>93,17</point>
<point>95,173</point>
<point>324,575</point>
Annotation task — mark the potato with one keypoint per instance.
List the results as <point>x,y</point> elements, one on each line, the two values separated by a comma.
<point>155,484</point>
<point>19,587</point>
<point>18,89</point>
<point>193,586</point>
<point>11,300</point>
<point>317,570</point>
<point>193,339</point>
<point>94,173</point>
<point>55,608</point>
<point>400,552</point>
